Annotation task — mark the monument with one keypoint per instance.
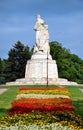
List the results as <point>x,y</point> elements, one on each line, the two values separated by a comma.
<point>41,69</point>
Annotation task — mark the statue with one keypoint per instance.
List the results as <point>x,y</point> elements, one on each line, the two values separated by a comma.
<point>42,36</point>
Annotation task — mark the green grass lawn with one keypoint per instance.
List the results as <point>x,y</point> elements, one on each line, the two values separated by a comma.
<point>77,98</point>
<point>7,97</point>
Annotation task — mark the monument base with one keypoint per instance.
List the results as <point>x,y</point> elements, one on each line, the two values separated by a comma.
<point>41,70</point>
<point>42,81</point>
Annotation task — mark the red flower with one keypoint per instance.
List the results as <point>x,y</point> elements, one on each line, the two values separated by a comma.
<point>48,105</point>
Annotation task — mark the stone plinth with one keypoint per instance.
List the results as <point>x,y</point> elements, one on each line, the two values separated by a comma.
<point>40,68</point>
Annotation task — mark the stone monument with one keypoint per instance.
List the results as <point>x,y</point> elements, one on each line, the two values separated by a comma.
<point>41,69</point>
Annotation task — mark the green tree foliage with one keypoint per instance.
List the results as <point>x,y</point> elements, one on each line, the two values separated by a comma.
<point>0,66</point>
<point>2,70</point>
<point>70,66</point>
<point>18,56</point>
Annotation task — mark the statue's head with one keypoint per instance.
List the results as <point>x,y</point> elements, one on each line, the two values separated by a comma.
<point>38,16</point>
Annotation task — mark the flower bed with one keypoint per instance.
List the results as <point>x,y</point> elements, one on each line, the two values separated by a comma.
<point>24,105</point>
<point>41,96</point>
<point>52,126</point>
<point>62,91</point>
<point>40,100</point>
<point>39,108</point>
<point>69,119</point>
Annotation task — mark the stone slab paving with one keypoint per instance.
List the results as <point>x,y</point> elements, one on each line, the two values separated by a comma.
<point>81,90</point>
<point>2,90</point>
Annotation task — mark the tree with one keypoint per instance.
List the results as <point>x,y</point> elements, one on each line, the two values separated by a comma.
<point>57,51</point>
<point>61,55</point>
<point>70,66</point>
<point>18,56</point>
<point>0,66</point>
<point>2,71</point>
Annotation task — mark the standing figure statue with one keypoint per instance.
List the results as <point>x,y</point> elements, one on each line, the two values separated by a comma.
<point>42,36</point>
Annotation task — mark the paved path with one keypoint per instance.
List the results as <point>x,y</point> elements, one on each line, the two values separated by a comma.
<point>81,90</point>
<point>2,90</point>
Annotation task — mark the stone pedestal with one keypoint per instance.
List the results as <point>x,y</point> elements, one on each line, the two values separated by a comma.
<point>39,68</point>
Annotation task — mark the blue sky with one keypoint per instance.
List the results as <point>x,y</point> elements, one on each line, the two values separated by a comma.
<point>63,17</point>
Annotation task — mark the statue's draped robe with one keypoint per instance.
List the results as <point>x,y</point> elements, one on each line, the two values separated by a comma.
<point>42,37</point>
